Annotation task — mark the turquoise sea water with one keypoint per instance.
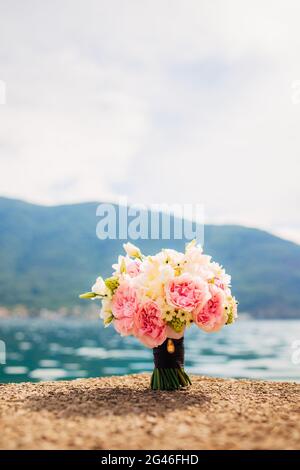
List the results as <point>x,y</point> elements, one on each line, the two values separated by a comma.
<point>39,349</point>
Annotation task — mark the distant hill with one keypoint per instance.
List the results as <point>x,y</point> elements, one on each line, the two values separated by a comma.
<point>48,255</point>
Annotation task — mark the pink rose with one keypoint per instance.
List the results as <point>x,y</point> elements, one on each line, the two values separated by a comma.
<point>219,283</point>
<point>149,327</point>
<point>187,293</point>
<point>211,317</point>
<point>124,308</point>
<point>133,268</point>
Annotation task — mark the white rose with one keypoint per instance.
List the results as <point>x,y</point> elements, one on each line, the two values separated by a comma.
<point>173,257</point>
<point>196,263</point>
<point>166,273</point>
<point>219,272</point>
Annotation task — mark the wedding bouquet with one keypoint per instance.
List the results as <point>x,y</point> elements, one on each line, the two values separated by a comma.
<point>155,298</point>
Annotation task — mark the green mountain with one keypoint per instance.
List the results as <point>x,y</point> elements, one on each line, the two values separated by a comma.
<point>48,255</point>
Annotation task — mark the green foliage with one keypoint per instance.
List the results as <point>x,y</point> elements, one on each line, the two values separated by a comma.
<point>49,255</point>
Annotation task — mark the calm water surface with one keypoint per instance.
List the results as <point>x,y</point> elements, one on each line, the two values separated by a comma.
<point>41,349</point>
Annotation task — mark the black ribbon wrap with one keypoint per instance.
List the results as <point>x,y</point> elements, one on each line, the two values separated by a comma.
<point>165,360</point>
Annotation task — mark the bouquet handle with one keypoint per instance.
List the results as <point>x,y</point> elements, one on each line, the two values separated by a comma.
<point>169,373</point>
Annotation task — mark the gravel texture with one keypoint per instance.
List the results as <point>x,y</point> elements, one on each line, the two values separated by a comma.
<point>123,413</point>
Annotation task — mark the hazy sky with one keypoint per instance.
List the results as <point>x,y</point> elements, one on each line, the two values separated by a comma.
<point>162,101</point>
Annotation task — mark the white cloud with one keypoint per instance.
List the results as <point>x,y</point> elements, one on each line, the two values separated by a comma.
<point>165,101</point>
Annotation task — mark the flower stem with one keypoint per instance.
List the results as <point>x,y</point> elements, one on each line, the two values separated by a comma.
<point>169,379</point>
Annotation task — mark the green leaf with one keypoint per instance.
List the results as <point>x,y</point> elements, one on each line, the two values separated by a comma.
<point>108,320</point>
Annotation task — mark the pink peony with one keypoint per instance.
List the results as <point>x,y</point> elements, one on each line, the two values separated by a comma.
<point>211,317</point>
<point>149,327</point>
<point>124,308</point>
<point>187,293</point>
